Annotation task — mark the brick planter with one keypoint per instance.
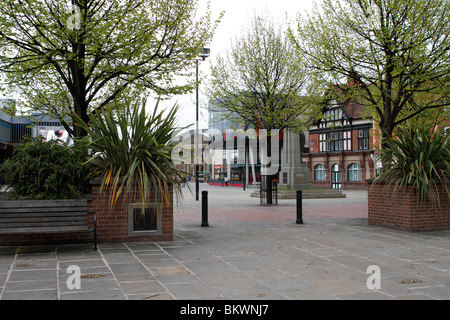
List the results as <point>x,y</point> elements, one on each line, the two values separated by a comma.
<point>399,208</point>
<point>115,225</point>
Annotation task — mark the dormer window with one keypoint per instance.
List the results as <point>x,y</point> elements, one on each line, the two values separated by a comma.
<point>334,114</point>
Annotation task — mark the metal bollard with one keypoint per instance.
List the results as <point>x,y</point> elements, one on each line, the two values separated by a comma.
<point>299,207</point>
<point>205,209</point>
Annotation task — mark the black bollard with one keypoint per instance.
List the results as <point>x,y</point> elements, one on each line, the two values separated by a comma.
<point>205,209</point>
<point>299,207</point>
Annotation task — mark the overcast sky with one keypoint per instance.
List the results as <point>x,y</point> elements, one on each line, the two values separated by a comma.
<point>237,14</point>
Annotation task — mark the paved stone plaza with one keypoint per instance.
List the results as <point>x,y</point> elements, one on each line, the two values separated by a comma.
<point>248,252</point>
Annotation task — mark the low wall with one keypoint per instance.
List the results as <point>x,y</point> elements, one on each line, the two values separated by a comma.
<point>112,225</point>
<point>399,208</point>
<point>307,194</point>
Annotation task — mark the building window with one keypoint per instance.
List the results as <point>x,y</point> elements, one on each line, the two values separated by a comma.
<point>19,132</point>
<point>334,114</point>
<point>285,178</point>
<point>347,140</point>
<point>354,173</point>
<point>335,141</point>
<point>322,142</point>
<point>363,139</point>
<point>320,174</point>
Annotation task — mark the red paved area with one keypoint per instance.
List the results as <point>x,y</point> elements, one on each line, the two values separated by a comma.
<point>231,205</point>
<point>311,211</point>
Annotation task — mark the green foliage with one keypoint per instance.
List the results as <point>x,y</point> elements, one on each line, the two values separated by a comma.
<point>263,80</point>
<point>418,156</point>
<point>74,59</point>
<point>395,52</point>
<point>133,149</point>
<point>45,170</point>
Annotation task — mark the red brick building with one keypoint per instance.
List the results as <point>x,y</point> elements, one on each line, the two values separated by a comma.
<point>341,147</point>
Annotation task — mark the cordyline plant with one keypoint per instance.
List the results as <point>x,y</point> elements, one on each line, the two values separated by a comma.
<point>132,149</point>
<point>418,156</point>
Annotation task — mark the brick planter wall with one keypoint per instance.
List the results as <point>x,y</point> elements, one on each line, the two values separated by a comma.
<point>400,209</point>
<point>112,224</point>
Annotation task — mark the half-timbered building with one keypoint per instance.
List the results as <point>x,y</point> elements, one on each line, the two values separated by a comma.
<point>341,147</point>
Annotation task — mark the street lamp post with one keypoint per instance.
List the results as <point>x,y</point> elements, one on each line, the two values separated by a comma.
<point>203,56</point>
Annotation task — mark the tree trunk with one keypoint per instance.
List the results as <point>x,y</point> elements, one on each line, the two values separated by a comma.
<point>386,134</point>
<point>79,85</point>
<point>81,110</point>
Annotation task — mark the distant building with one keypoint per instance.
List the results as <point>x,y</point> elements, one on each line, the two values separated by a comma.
<point>187,145</point>
<point>241,166</point>
<point>13,129</point>
<point>341,147</point>
<point>237,172</point>
<point>221,119</point>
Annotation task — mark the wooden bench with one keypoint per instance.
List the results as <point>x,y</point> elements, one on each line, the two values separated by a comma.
<point>36,217</point>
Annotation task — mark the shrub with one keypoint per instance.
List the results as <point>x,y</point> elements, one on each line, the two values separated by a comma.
<point>45,170</point>
<point>418,156</point>
<point>133,148</point>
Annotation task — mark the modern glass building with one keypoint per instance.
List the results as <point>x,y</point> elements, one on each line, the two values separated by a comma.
<point>240,164</point>
<point>14,128</point>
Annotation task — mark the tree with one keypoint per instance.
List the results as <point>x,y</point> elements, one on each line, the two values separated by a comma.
<point>394,52</point>
<point>78,59</point>
<point>262,79</point>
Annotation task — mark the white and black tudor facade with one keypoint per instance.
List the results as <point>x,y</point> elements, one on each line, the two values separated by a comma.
<point>341,148</point>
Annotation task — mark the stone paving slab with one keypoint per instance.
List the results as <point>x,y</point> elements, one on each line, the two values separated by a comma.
<point>242,256</point>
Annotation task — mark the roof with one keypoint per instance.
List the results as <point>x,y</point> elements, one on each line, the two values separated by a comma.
<point>354,110</point>
<point>354,106</point>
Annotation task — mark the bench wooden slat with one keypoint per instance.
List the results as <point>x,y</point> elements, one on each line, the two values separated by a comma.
<point>44,230</point>
<point>5,216</point>
<point>41,219</point>
<point>43,210</point>
<point>11,204</point>
<point>22,217</point>
<point>42,224</point>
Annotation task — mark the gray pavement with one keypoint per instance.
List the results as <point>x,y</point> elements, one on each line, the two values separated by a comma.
<point>248,252</point>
